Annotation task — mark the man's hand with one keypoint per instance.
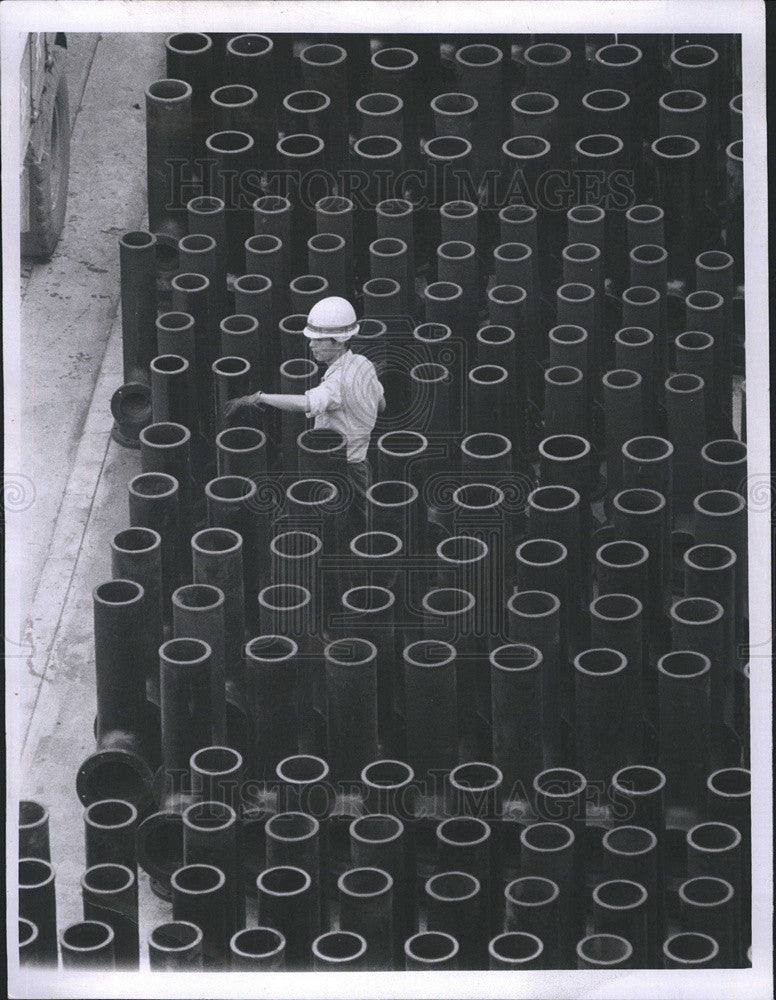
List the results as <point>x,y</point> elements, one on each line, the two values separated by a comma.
<point>231,406</point>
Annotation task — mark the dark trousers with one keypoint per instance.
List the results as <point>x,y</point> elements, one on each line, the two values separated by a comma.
<point>360,474</point>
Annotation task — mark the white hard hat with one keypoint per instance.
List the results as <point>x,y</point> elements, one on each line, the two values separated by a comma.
<point>332,317</point>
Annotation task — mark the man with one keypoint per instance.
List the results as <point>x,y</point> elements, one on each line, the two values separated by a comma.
<point>350,395</point>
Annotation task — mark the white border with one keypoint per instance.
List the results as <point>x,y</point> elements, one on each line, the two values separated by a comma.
<point>648,16</point>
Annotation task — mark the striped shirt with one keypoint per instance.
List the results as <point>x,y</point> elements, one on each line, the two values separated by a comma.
<point>347,400</point>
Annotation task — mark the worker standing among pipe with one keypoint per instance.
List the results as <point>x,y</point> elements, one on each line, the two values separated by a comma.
<point>349,397</point>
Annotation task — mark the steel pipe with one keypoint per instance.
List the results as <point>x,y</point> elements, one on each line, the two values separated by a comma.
<point>273,215</point>
<point>459,220</point>
<point>631,853</point>
<point>351,699</point>
<point>175,946</point>
<point>204,249</point>
<point>616,622</point>
<point>379,841</point>
<point>641,790</point>
<point>321,451</point>
<point>232,502</point>
<point>635,350</point>
<point>465,843</point>
<point>37,903</point>
<point>264,255</point>
<point>389,787</point>
<point>254,296</point>
<point>518,715</point>
<point>258,949</point>
<point>430,685</point>
<point>166,447</point>
<point>606,735</point>
<point>109,894</point>
<point>697,623</point>
<point>235,155</point>
<point>565,394</point>
<point>337,951</point>
<point>198,613</point>
<point>366,908</point>
<point>252,60</point>
<point>211,837</point>
<point>457,264</point>
<point>33,830</point>
<point>639,515</point>
<point>395,220</point>
<point>621,904</point>
<point>678,189</point>
<point>604,951</point>
<point>329,257</point>
<point>442,301</point>
<point>547,850</point>
<point>729,801</point>
<point>273,701</point>
<point>169,123</point>
<point>690,950</point>
<point>710,571</point>
<point>324,67</point>
<point>645,224</point>
<point>137,265</point>
<point>724,466</point>
<point>200,897</point>
<point>216,775</point>
<point>28,944</point>
<point>454,904</point>
<point>312,505</point>
<point>241,451</point>
<point>189,57</point>
<point>432,951</point>
<point>232,379</point>
<point>707,906</point>
<point>87,944</point>
<point>110,828</point>
<point>694,350</point>
<point>306,290</point>
<point>624,420</point>
<point>532,908</point>
<point>121,729</point>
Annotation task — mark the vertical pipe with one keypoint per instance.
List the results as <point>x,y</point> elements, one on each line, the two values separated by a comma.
<point>690,950</point>
<point>169,123</point>
<point>684,751</point>
<point>251,60</point>
<point>616,623</point>
<point>634,350</point>
<point>306,290</point>
<point>258,949</point>
<point>28,944</point>
<point>241,451</point>
<point>677,161</point>
<point>697,623</point>
<point>645,224</point>
<point>339,951</point>
<point>366,908</point>
<point>189,57</point>
<point>431,951</point>
<point>231,379</point>
<point>604,951</point>
<point>323,68</point>
<point>532,907</point>
<point>564,460</point>
<point>264,255</point>
<point>547,850</point>
<point>199,896</point>
<point>459,220</point>
<point>395,220</point>
<point>166,447</point>
<point>232,503</point>
<point>465,843</point>
<point>272,693</point>
<point>198,613</point>
<point>378,841</point>
<point>564,401</point>
<point>217,775</point>
<point>516,950</point>
<point>235,156</point>
<point>205,246</point>
<point>187,710</point>
<point>381,114</point>
<point>457,263</point>
<point>109,827</point>
<point>351,699</point>
<point>639,515</point>
<point>211,836</point>
<point>623,418</point>
<point>603,713</point>
<point>172,398</point>
<point>327,256</point>
<point>175,946</point>
<point>273,216</point>
<point>707,906</point>
<point>621,905</point>
<point>109,894</point>
<point>710,571</point>
<point>724,466</point>
<point>430,685</point>
<point>694,352</point>
<point>453,905</point>
<point>33,830</point>
<point>519,715</point>
<point>729,801</point>
<point>535,615</point>
<point>137,264</point>
<point>631,852</point>
<point>37,903</point>
<point>87,945</point>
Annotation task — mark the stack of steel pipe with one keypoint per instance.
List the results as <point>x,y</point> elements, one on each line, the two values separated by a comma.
<point>500,719</point>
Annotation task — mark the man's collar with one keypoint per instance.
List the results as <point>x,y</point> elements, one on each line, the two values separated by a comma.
<point>346,354</point>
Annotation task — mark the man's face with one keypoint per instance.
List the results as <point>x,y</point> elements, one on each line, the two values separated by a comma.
<point>325,350</point>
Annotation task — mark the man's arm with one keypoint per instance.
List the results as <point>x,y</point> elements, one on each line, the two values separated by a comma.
<point>282,401</point>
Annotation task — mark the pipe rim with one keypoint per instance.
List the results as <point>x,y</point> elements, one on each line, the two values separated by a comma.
<point>526,147</point>
<point>292,102</point>
<point>516,939</point>
<point>714,260</point>
<point>555,490</point>
<point>472,439</point>
<point>459,782</point>
<point>408,774</point>
<point>547,54</point>
<point>309,369</point>
<point>636,607</point>
<point>714,609</point>
<point>688,939</point>
<point>229,142</point>
<point>432,886</point>
<point>394,208</point>
<point>639,498</point>
<point>224,436</point>
<point>548,604</point>
<point>575,781</point>
<point>435,148</point>
<point>354,874</point>
<point>303,881</point>
<point>168,91</point>
<point>185,652</point>
<point>284,769</point>
<point>684,383</point>
<point>548,103</point>
<point>28,933</point>
<point>231,762</point>
<point>551,891</point>
<point>316,243</point>
<point>253,648</point>
<point>221,489</point>
<point>118,593</point>
<point>467,601</point>
<point>626,544</point>
<point>550,829</point>
<point>648,253</point>
<point>35,873</point>
<point>121,541</point>
<point>740,773</point>
<point>377,147</point>
<point>534,663</point>
<point>476,377</point>
<point>443,291</point>
<point>438,372</point>
<point>399,436</point>
<point>230,542</point>
<point>432,333</point>
<point>640,772</point>
<point>594,101</point>
<point>169,364</point>
<point>714,829</point>
<point>690,101</point>
<point>316,545</point>
<point>451,831</point>
<point>320,944</point>
<point>456,250</point>
<point>263,243</point>
<point>396,104</point>
<point>694,340</point>
<point>166,485</point>
<point>618,54</point>
<point>275,942</point>
<point>252,284</point>
<point>593,146</point>
<point>645,214</point>
<point>713,558</point>
<point>272,204</point>
<point>483,335</point>
<point>563,375</point>
<point>99,937</point>
<point>188,43</point>
<point>564,440</point>
<point>321,441</point>
<point>417,941</point>
<point>396,545</point>
<point>164,427</point>
<point>602,654</point>
<point>331,492</point>
<point>241,45</point>
<point>709,54</point>
<point>33,815</point>
<point>623,950</point>
<point>389,246</point>
<point>378,819</point>
<point>427,644</point>
<point>675,147</point>
<point>721,446</point>
<point>464,539</point>
<point>580,258</point>
<point>347,599</point>
<point>407,58</point>
<point>381,288</point>
<point>724,888</point>
<point>516,214</point>
<point>546,543</point>
<point>459,104</point>
<point>621,379</point>
<point>300,146</point>
<point>128,879</point>
<point>683,665</point>
<point>627,832</point>
<point>231,367</point>
<point>586,215</point>
<point>620,884</point>
<point>496,492</point>
<point>310,826</point>
<point>349,656</point>
<point>137,240</point>
<point>479,55</point>
<point>180,877</point>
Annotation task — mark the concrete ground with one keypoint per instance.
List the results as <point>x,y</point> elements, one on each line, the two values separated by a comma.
<point>71,361</point>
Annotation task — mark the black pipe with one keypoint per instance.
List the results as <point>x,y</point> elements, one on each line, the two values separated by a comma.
<point>110,894</point>
<point>495,345</point>
<point>645,224</point>
<point>639,515</point>
<point>321,451</point>
<point>459,220</point>
<point>624,419</point>
<point>327,256</point>
<point>234,154</point>
<point>120,761</point>
<point>37,903</point>
<point>351,694</point>
<point>447,164</point>
<point>137,263</point>
<point>272,683</point>
<point>487,455</point>
<point>397,71</point>
<point>389,257</point>
<point>724,466</point>
<point>273,216</point>
<point>715,849</point>
<point>323,67</point>
<point>430,686</point>
<point>697,623</point>
<point>518,715</point>
<point>189,57</point>
<point>395,220</point>
<point>294,838</point>
<point>199,896</point>
<point>136,555</point>
<point>337,951</point>
<point>532,907</point>
<point>631,853</point>
<point>211,836</point>
<point>565,393</point>
<point>381,114</point>
<point>169,123</point>
<point>251,60</point>
<point>186,706</point>
<point>172,396</point>
<point>678,189</point>
<point>233,502</point>
<point>216,775</point>
<point>109,827</point>
<point>465,843</point>
<point>616,622</point>
<point>242,451</point>
<point>285,896</point>
<point>640,789</point>
<point>635,350</point>
<point>605,726</point>
<point>604,951</point>
<point>264,255</point>
<point>649,269</point>
<point>547,850</point>
<point>690,950</point>
<point>609,111</point>
<point>565,460</point>
<point>33,830</point>
<point>621,905</point>
<point>378,841</point>
<point>258,949</point>
<point>198,613</point>
<point>175,946</point>
<point>88,944</point>
<point>166,447</point>
<point>535,112</point>
<point>312,505</point>
<point>366,908</point>
<point>306,290</point>
<point>207,239</point>
<point>729,801</point>
<point>190,296</point>
<point>694,351</point>
<point>453,903</point>
<point>707,906</point>
<point>296,376</point>
<point>29,956</point>
<point>431,951</point>
<point>235,107</point>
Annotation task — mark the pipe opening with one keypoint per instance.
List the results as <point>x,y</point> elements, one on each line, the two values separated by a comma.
<point>118,592</point>
<point>225,488</point>
<point>606,100</point>
<point>28,932</point>
<point>455,250</point>
<point>488,375</point>
<point>561,447</point>
<point>387,246</point>
<point>394,207</point>
<point>454,104</point>
<point>478,55</point>
<point>532,890</point>
<point>511,252</point>
<point>553,498</point>
<point>463,831</point>
<point>339,946</point>
<point>714,260</point>
<point>713,837</point>
<point>604,949</point>
<point>639,779</point>
<point>462,549</point>
<point>366,599</point>
<point>381,287</point>
<point>326,243</point>
<point>365,882</point>
<point>443,291</point>
<point>533,603</point>
<point>486,445</point>
<point>87,935</point>
<point>250,45</point>
<point>189,42</point>
<point>648,449</point>
<point>274,648</point>
<point>197,880</point>
<point>139,239</point>
<point>305,101</point>
<point>675,147</point>
<point>284,597</point>
<point>517,214</point>
<point>725,452</point>
<point>291,826</point>
<point>641,295</point>
<point>526,147</point>
<point>164,435</point>
<point>620,894</point>
<point>649,253</point>
<point>301,144</point>
<point>392,493</point>
<point>233,95</point>
<point>271,204</point>
<point>431,947</point>
<point>476,776</point>
<point>448,147</point>
<point>190,282</point>
<point>695,340</point>
<point>541,552</point>
<point>188,651</point>
<point>221,541</point>
<point>622,378</point>
<point>351,652</point>
<point>575,291</point>
<point>241,439</point>
<point>257,942</point>
<point>429,373</point>
<point>690,948</point>
<point>394,58</point>
<point>694,56</point>
<point>568,333</point>
<point>169,364</point>
<point>263,243</point>
<point>376,829</point>
<point>619,54</point>
<point>296,545</point>
<point>229,142</point>
<point>731,782</point>
<point>231,366</point>
<point>600,662</point>
<point>629,840</point>
<point>402,444</point>
<point>370,329</point>
<point>429,653</point>
<point>535,102</point>
<point>704,300</point>
<point>431,333</point>
<point>321,441</point>
<point>516,947</point>
<point>563,375</point>
<point>639,501</point>
<point>388,773</point>
<point>31,814</point>
<point>452,886</point>
<point>622,554</point>
<point>547,837</point>
<point>34,873</point>
<point>312,492</point>
<point>559,783</point>
<point>169,90</point>
<point>599,145</point>
<point>376,545</point>
<point>684,382</point>
<point>107,878</point>
<point>697,611</point>
<point>380,104</point>
<point>682,101</point>
<point>139,540</point>
<point>302,769</point>
<point>252,283</point>
<point>478,496</point>
<point>299,368</point>
<point>216,761</point>
<point>516,656</point>
<point>706,891</point>
<point>581,253</point>
<point>586,214</point>
<point>547,54</point>
<point>495,335</point>
<point>448,601</point>
<point>377,147</point>
<point>683,664</point>
<point>458,210</point>
<point>709,557</point>
<point>645,214</point>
